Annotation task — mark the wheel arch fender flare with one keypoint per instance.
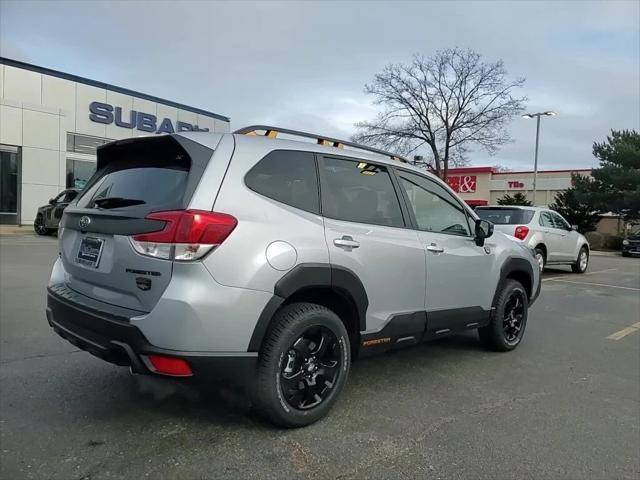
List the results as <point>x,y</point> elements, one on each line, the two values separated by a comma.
<point>311,275</point>
<point>512,267</point>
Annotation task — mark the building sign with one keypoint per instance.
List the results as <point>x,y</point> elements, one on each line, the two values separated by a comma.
<point>145,122</point>
<point>462,183</point>
<point>515,184</point>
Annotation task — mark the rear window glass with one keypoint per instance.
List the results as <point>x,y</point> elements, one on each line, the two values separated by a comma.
<point>287,176</point>
<point>157,183</point>
<point>505,216</point>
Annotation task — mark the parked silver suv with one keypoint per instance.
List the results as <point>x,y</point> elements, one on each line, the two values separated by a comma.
<point>276,261</point>
<point>547,232</point>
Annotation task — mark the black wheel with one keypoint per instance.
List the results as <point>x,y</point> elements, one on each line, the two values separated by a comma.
<point>626,254</point>
<point>303,365</point>
<point>582,262</point>
<point>39,227</point>
<point>507,327</point>
<point>541,257</point>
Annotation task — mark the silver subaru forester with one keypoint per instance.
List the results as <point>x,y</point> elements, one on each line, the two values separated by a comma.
<point>277,262</point>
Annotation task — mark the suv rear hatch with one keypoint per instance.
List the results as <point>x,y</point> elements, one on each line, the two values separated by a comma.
<point>134,178</point>
<point>509,220</point>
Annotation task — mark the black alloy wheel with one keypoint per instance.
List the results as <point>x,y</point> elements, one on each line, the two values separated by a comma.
<point>507,325</point>
<point>311,368</point>
<point>38,225</point>
<point>513,316</point>
<point>303,365</point>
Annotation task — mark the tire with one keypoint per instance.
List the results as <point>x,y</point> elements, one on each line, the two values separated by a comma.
<point>626,254</point>
<point>541,258</point>
<point>501,334</point>
<point>38,226</point>
<point>302,344</point>
<point>582,262</point>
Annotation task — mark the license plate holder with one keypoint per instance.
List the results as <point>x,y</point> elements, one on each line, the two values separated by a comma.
<point>90,252</point>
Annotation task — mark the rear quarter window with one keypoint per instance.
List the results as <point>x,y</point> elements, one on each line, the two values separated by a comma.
<point>289,177</point>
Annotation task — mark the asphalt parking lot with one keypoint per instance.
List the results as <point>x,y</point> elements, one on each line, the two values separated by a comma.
<point>565,404</point>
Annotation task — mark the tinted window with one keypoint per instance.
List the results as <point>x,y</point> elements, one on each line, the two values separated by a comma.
<point>69,195</point>
<point>546,220</point>
<point>505,216</point>
<point>288,177</point>
<point>359,192</point>
<point>157,183</point>
<point>435,209</point>
<point>559,221</point>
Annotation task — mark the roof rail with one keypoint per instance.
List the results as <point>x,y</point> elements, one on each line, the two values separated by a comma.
<point>272,132</point>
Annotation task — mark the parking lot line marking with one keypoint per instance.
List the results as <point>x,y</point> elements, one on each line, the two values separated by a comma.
<point>588,273</point>
<point>595,284</point>
<point>600,271</point>
<point>625,331</point>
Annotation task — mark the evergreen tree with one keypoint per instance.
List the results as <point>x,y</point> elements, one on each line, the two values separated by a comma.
<point>517,198</point>
<point>566,203</point>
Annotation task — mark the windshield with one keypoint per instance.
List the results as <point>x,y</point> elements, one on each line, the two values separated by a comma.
<point>505,216</point>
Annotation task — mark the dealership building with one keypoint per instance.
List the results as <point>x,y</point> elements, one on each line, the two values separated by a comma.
<point>485,185</point>
<point>51,124</point>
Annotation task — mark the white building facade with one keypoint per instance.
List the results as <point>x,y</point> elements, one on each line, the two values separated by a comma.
<point>51,124</point>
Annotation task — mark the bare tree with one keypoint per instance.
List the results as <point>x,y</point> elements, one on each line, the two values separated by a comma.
<point>444,104</point>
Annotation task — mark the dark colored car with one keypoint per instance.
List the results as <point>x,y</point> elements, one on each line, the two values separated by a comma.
<point>49,215</point>
<point>631,245</point>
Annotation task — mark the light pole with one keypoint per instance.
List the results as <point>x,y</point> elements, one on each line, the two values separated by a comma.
<point>535,162</point>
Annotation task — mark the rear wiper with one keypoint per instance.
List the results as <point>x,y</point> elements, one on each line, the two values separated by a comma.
<point>115,202</point>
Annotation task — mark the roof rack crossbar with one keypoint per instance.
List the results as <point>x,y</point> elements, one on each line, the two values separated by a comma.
<point>272,132</point>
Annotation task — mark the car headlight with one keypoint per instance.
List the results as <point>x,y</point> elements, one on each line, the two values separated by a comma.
<point>625,242</point>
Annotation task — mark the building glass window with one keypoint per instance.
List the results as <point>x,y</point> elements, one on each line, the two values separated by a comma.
<point>79,172</point>
<point>84,143</point>
<point>8,182</point>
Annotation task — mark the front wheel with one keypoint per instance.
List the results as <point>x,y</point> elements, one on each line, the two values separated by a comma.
<point>303,365</point>
<point>581,262</point>
<point>506,329</point>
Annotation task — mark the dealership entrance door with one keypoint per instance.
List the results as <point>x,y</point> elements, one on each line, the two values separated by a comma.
<point>9,169</point>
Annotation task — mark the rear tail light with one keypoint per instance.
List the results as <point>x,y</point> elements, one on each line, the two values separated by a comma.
<point>187,234</point>
<point>521,232</point>
<point>176,367</point>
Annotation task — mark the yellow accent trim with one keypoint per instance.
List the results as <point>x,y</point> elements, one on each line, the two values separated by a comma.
<point>271,133</point>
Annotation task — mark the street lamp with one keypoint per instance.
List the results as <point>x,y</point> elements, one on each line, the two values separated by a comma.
<point>535,162</point>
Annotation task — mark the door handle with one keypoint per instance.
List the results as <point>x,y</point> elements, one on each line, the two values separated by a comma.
<point>434,248</point>
<point>346,242</point>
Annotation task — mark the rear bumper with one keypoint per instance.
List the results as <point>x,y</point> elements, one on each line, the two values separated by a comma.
<point>108,334</point>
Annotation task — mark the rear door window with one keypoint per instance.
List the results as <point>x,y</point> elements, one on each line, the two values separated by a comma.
<point>287,176</point>
<point>357,191</point>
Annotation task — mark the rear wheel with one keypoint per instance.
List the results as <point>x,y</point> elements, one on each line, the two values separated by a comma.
<point>39,227</point>
<point>582,262</point>
<point>506,329</point>
<point>541,258</point>
<point>303,365</point>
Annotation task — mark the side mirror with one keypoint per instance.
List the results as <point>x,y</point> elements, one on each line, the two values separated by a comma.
<point>574,227</point>
<point>52,201</point>
<point>484,229</point>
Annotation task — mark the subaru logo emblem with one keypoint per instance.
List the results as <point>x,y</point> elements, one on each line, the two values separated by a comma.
<point>84,221</point>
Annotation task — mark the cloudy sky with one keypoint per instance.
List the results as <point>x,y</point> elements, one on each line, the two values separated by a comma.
<point>303,64</point>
